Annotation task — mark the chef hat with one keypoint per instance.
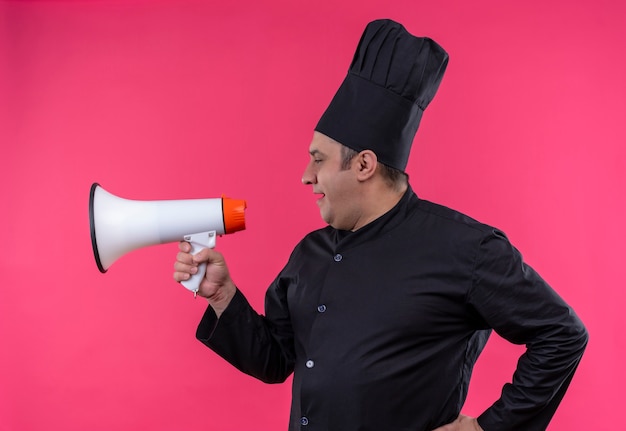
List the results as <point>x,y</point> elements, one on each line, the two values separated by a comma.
<point>392,79</point>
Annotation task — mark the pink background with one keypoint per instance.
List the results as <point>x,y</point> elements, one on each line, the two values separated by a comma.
<point>194,99</point>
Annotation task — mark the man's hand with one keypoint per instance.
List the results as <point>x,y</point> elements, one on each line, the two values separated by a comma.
<point>462,423</point>
<point>217,286</point>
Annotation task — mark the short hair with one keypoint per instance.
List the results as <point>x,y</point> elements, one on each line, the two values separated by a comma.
<point>395,178</point>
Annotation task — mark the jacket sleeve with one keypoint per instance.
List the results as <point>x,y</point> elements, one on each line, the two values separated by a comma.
<point>521,307</point>
<point>254,344</point>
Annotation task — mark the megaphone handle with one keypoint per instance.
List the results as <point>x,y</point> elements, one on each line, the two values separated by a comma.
<point>198,241</point>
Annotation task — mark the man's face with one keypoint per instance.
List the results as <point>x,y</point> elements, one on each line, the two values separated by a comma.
<point>337,188</point>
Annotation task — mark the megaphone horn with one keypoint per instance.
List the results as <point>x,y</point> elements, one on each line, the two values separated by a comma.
<point>121,225</point>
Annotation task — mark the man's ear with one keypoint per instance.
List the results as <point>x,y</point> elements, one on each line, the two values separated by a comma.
<point>365,164</point>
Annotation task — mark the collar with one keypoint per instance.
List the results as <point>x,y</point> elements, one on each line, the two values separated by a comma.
<point>378,227</point>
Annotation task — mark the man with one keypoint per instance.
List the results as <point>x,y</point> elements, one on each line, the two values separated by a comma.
<point>382,314</point>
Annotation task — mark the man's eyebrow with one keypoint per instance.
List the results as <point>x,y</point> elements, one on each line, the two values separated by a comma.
<point>315,152</point>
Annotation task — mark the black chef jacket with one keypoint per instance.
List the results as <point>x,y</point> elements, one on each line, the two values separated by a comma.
<point>382,326</point>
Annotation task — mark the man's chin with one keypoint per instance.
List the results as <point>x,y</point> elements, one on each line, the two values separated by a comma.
<point>326,218</point>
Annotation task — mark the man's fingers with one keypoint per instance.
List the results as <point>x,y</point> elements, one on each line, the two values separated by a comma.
<point>462,423</point>
<point>184,266</point>
<point>181,276</point>
<point>208,255</point>
<point>184,246</point>
<point>185,258</point>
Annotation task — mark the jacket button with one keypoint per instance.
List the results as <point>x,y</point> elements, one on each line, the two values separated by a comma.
<point>304,421</point>
<point>338,257</point>
<point>321,308</point>
<point>310,364</point>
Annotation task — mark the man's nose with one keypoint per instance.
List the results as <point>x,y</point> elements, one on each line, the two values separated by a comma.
<point>307,177</point>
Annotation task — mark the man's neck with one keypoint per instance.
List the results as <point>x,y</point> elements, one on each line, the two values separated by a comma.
<point>379,200</point>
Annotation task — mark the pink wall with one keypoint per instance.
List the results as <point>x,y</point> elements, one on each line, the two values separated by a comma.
<point>185,99</point>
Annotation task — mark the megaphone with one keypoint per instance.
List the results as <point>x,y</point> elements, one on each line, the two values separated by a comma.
<point>121,225</point>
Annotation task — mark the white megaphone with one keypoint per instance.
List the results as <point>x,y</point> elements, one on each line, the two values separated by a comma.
<point>121,225</point>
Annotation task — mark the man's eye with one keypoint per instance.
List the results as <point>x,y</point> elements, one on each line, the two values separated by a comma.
<point>317,160</point>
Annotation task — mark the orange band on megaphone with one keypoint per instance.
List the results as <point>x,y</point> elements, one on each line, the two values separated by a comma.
<point>234,216</point>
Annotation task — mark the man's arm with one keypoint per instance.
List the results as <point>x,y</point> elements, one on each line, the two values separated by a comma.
<point>520,306</point>
<point>249,341</point>
<point>230,326</point>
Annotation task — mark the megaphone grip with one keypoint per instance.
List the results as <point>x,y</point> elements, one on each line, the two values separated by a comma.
<point>198,241</point>
<point>193,284</point>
